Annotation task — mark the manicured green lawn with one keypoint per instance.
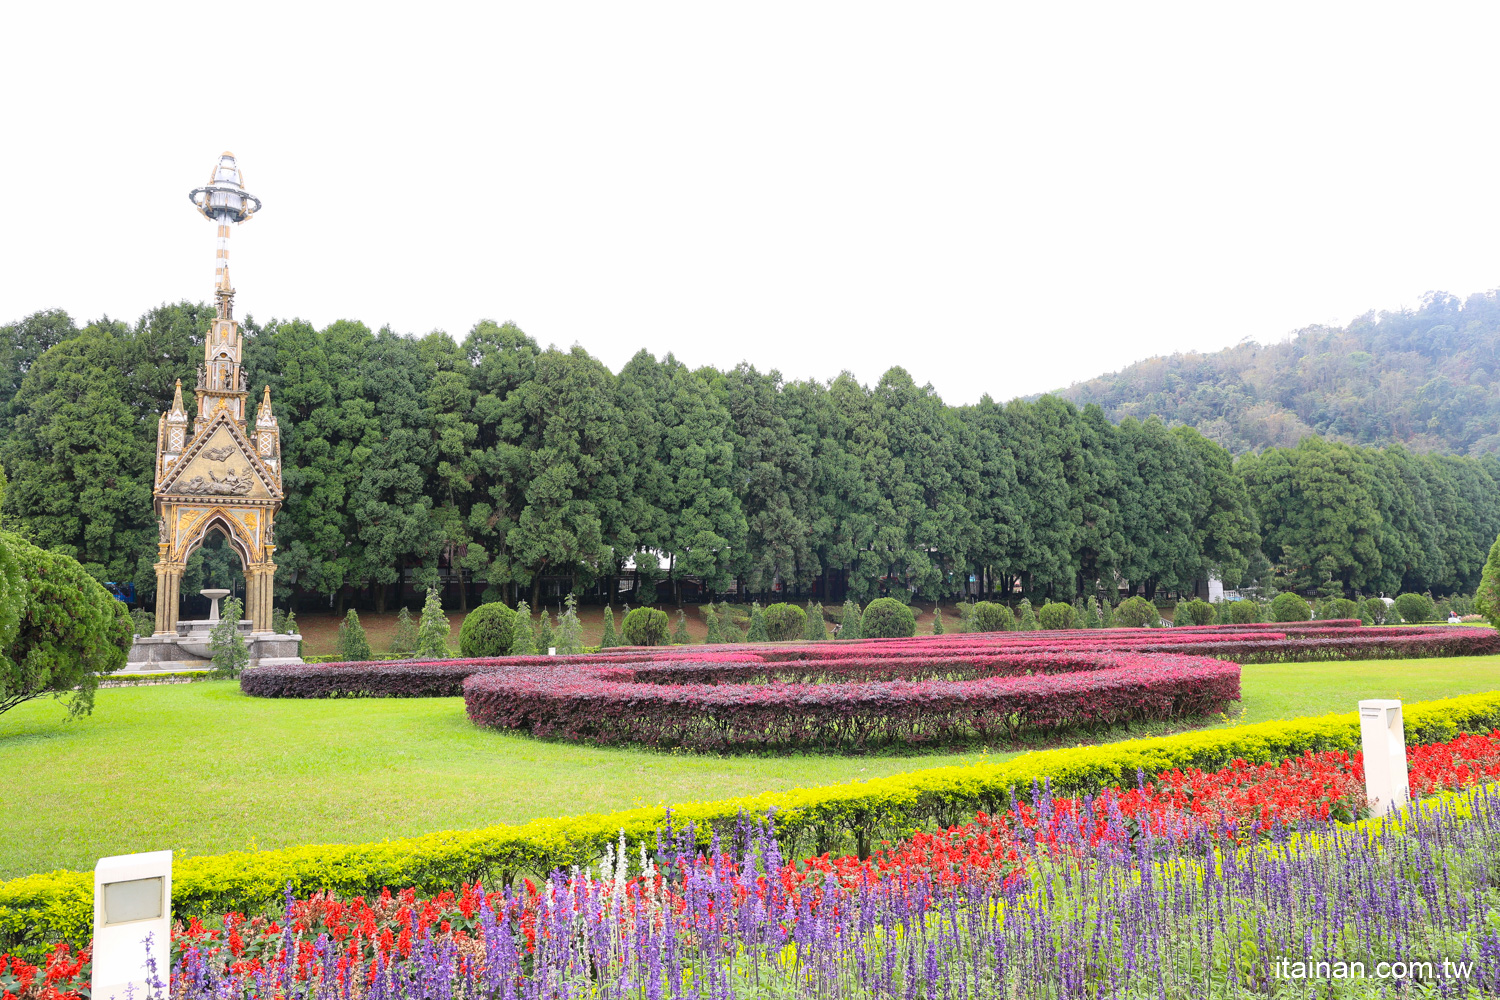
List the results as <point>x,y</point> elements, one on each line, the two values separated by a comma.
<point>199,768</point>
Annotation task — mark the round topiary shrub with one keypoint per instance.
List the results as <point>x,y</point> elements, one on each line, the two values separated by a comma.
<point>785,621</point>
<point>1194,612</point>
<point>646,627</point>
<point>1342,607</point>
<point>888,618</point>
<point>1415,608</point>
<point>987,616</point>
<point>1136,612</point>
<point>1244,613</point>
<point>1055,615</point>
<point>1289,607</point>
<point>1374,609</point>
<point>488,630</point>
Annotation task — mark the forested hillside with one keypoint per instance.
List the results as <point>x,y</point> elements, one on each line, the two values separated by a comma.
<point>509,464</point>
<point>1427,378</point>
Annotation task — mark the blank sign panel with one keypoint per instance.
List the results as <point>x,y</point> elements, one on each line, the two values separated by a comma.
<point>138,899</point>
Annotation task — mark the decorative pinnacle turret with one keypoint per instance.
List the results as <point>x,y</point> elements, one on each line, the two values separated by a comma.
<point>177,406</point>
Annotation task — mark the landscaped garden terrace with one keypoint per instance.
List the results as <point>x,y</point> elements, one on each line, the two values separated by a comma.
<point>1206,851</point>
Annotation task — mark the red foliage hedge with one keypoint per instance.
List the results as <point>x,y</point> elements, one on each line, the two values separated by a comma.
<point>609,704</point>
<point>407,678</point>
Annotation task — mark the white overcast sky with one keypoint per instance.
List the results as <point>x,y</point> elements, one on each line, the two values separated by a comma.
<point>1002,198</point>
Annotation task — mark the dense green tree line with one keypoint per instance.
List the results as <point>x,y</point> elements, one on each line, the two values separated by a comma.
<point>512,463</point>
<point>1428,378</point>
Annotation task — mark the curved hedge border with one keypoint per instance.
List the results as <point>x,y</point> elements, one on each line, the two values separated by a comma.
<point>408,678</point>
<point>38,910</point>
<point>659,706</point>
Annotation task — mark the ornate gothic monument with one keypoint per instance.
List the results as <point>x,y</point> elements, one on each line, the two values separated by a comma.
<point>221,473</point>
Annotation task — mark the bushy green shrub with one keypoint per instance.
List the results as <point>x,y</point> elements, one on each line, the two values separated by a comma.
<point>1106,615</point>
<point>1244,612</point>
<point>1194,612</point>
<point>785,621</point>
<point>1290,607</point>
<point>988,616</point>
<point>1027,622</point>
<point>1056,615</point>
<point>1487,597</point>
<point>1136,612</point>
<point>1342,607</point>
<point>937,621</point>
<point>353,644</point>
<point>143,622</point>
<point>226,644</point>
<point>1090,614</point>
<point>888,618</point>
<point>488,630</point>
<point>646,627</point>
<point>1415,608</point>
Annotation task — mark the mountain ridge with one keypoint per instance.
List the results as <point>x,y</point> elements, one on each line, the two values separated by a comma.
<point>1427,378</point>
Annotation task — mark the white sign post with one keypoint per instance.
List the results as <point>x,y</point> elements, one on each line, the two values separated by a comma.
<point>132,898</point>
<point>1384,739</point>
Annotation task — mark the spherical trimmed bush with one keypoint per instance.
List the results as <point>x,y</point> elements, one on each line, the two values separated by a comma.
<point>988,616</point>
<point>1136,612</point>
<point>1415,608</point>
<point>888,618</point>
<point>1056,615</point>
<point>785,621</point>
<point>1195,612</point>
<point>488,630</point>
<point>1290,607</point>
<point>646,627</point>
<point>1375,610</point>
<point>1244,613</point>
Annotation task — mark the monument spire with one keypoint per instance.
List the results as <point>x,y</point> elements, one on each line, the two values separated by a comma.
<point>221,380</point>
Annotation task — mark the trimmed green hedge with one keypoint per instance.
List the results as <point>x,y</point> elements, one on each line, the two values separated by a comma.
<point>38,910</point>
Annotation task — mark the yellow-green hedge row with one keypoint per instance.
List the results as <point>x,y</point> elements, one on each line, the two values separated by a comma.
<point>38,910</point>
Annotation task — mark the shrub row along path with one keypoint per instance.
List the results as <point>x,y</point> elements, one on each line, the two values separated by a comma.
<point>203,769</point>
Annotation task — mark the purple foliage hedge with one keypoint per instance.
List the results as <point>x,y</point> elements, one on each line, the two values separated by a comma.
<point>610,704</point>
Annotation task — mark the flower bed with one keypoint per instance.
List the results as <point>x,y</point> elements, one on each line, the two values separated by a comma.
<point>37,910</point>
<point>744,918</point>
<point>610,704</point>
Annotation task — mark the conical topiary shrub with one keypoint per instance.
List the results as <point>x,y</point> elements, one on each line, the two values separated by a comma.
<point>545,641</point>
<point>404,638</point>
<point>1028,616</point>
<point>711,617</point>
<point>849,624</point>
<point>352,642</point>
<point>816,629</point>
<point>524,641</point>
<point>758,631</point>
<point>611,638</point>
<point>433,630</point>
<point>570,629</point>
<point>680,635</point>
<point>937,621</point>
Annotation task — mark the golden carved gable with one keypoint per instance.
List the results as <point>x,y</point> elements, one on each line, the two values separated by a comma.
<point>220,464</point>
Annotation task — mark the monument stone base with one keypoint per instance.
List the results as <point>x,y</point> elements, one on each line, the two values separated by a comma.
<point>188,648</point>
